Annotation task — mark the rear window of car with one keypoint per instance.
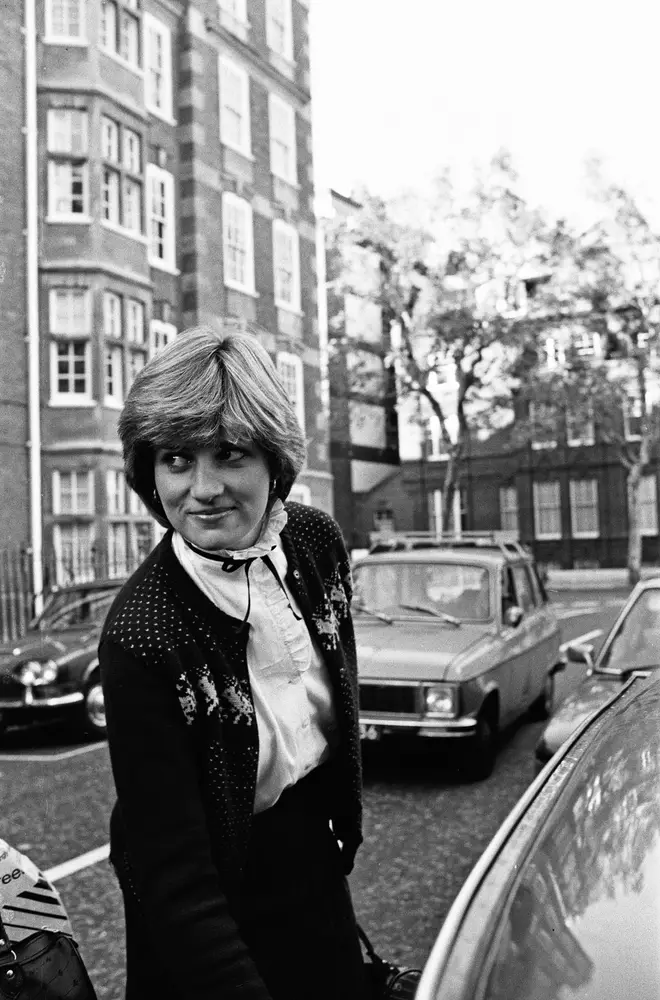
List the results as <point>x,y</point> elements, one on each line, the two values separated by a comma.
<point>461,590</point>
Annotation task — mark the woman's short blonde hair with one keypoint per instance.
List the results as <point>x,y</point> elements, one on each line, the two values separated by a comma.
<point>204,387</point>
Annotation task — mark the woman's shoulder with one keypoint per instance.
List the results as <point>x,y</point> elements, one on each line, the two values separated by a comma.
<point>144,608</point>
<point>311,523</point>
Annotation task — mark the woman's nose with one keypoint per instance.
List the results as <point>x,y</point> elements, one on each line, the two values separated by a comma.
<point>207,481</point>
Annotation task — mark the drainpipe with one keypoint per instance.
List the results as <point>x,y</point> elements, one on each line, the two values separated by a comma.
<point>32,296</point>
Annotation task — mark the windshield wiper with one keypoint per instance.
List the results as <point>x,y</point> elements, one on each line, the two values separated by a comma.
<point>432,611</point>
<point>358,606</point>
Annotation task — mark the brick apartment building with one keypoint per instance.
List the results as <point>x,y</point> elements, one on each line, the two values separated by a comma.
<point>175,184</point>
<point>364,444</point>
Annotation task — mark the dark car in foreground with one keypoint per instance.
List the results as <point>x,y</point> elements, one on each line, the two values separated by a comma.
<point>52,671</point>
<point>564,904</point>
<point>633,644</point>
<point>455,639</point>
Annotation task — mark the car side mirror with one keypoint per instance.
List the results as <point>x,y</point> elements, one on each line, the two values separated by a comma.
<point>513,616</point>
<point>579,652</point>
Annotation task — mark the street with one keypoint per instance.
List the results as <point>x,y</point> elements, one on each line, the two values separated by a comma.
<point>424,828</point>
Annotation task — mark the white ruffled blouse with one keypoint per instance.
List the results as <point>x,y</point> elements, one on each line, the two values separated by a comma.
<point>290,682</point>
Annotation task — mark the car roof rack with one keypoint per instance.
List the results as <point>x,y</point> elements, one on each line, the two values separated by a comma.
<point>505,542</point>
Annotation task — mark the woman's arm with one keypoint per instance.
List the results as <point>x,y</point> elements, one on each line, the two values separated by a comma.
<point>159,794</point>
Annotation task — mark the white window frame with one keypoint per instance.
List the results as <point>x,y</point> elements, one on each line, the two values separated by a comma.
<point>112,316</point>
<point>588,434</point>
<point>83,536</point>
<point>235,8</point>
<point>159,330</point>
<point>158,176</point>
<point>70,331</point>
<point>633,408</point>
<point>244,143</point>
<point>540,445</point>
<point>118,555</point>
<point>232,203</point>
<point>577,506</point>
<point>51,38</point>
<point>537,487</point>
<point>135,322</point>
<point>285,51</point>
<point>136,506</point>
<point>76,508</point>
<point>163,108</point>
<point>131,370</point>
<point>58,398</point>
<point>287,232</point>
<point>509,513</point>
<point>290,369</point>
<point>67,117</point>
<point>113,372</point>
<point>115,486</point>
<point>67,158</point>
<point>648,506</point>
<point>282,111</point>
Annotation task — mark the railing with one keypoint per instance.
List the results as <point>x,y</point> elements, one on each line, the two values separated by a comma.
<point>17,596</point>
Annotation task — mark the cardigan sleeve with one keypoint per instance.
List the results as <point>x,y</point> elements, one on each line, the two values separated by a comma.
<point>184,905</point>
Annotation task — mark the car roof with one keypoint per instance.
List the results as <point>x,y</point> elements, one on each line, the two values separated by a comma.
<point>539,901</point>
<point>109,583</point>
<point>458,556</point>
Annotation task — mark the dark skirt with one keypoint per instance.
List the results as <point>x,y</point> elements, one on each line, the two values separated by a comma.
<point>294,909</point>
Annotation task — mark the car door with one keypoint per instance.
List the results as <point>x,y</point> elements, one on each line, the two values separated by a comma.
<point>515,648</point>
<point>531,668</point>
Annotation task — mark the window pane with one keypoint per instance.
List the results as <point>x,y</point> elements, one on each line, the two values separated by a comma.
<point>110,139</point>
<point>110,194</point>
<point>132,205</point>
<point>111,315</point>
<point>129,38</point>
<point>109,25</point>
<point>132,147</point>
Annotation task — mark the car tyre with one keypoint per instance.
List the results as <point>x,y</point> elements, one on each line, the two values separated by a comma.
<point>483,748</point>
<point>543,707</point>
<point>92,720</point>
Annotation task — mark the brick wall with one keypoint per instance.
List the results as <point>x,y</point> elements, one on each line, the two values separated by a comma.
<point>14,488</point>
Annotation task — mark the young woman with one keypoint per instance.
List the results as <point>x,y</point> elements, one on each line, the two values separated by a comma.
<point>229,671</point>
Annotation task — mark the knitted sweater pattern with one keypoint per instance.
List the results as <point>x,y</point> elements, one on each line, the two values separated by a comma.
<point>165,623</point>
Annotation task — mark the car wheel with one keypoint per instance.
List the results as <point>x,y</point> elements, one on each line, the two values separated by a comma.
<point>543,706</point>
<point>93,708</point>
<point>483,748</point>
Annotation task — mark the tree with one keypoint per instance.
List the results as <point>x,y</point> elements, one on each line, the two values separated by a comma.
<point>595,362</point>
<point>450,288</point>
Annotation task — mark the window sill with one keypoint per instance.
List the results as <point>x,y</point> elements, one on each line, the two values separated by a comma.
<point>580,444</point>
<point>157,113</point>
<point>129,233</point>
<point>79,43</point>
<point>542,446</point>
<point>585,534</point>
<point>548,538</point>
<point>112,404</point>
<point>72,402</point>
<point>69,220</point>
<point>294,185</point>
<point>235,287</point>
<point>137,70</point>
<point>235,149</point>
<point>287,307</point>
<point>161,265</point>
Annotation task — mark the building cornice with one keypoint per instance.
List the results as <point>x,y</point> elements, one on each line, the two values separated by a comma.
<point>81,264</point>
<point>88,446</point>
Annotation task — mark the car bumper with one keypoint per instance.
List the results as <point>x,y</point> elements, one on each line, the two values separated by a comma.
<point>373,727</point>
<point>29,703</point>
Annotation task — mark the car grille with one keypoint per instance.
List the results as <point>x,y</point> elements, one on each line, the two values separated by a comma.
<point>399,699</point>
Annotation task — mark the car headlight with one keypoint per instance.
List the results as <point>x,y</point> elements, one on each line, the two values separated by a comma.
<point>35,672</point>
<point>441,699</point>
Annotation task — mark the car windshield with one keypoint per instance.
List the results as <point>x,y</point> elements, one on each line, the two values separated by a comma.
<point>85,613</point>
<point>461,591</point>
<point>636,643</point>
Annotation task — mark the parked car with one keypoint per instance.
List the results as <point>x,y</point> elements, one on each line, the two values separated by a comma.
<point>53,670</point>
<point>633,644</point>
<point>564,901</point>
<point>455,639</point>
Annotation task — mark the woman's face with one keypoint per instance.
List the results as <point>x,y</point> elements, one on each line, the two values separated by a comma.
<point>215,497</point>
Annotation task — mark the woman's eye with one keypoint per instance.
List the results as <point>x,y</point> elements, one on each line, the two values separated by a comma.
<point>175,461</point>
<point>230,453</point>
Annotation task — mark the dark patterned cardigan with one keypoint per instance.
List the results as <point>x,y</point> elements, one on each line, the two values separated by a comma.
<point>183,743</point>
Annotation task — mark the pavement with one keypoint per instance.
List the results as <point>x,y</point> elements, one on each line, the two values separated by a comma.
<point>594,579</point>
